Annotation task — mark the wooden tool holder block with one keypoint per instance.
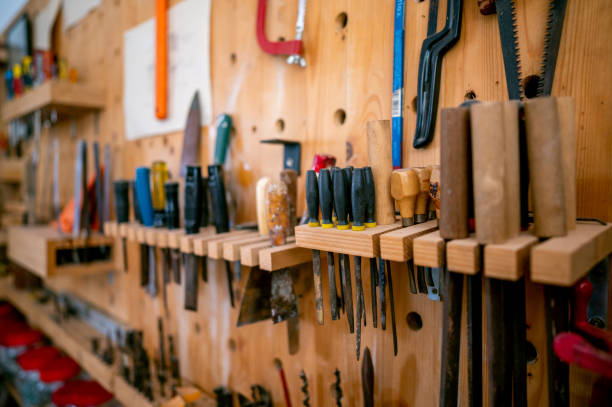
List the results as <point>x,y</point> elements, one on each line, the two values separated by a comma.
<point>111,228</point>
<point>231,248</point>
<point>249,254</point>
<point>45,252</point>
<point>564,260</point>
<point>429,250</point>
<point>287,255</point>
<point>397,244</point>
<point>463,255</point>
<point>200,242</point>
<point>365,243</point>
<point>509,260</point>
<point>215,245</point>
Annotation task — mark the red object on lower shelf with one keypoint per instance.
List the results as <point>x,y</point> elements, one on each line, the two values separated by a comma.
<point>59,369</point>
<point>573,349</point>
<point>81,393</point>
<point>24,337</point>
<point>36,358</point>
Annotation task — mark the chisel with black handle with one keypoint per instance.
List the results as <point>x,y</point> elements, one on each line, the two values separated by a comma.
<point>312,204</point>
<point>370,222</point>
<point>191,219</point>
<point>358,203</point>
<point>122,211</point>
<point>326,203</point>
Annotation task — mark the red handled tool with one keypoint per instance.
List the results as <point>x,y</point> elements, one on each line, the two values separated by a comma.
<point>292,48</point>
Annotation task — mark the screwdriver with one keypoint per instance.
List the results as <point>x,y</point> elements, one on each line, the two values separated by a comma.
<point>312,204</point>
<point>122,209</point>
<point>144,253</point>
<point>216,185</point>
<point>370,222</point>
<point>171,216</point>
<point>326,203</point>
<point>344,258</point>
<point>404,189</point>
<point>192,217</point>
<point>159,175</point>
<point>358,202</point>
<point>143,191</point>
<point>420,215</point>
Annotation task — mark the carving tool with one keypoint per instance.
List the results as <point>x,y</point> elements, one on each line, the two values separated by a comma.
<point>122,211</point>
<point>279,367</point>
<point>161,59</point>
<point>392,305</point>
<point>433,284</point>
<point>191,136</point>
<point>344,258</point>
<point>420,215</point>
<point>430,69</point>
<point>292,48</point>
<point>161,371</point>
<point>144,253</point>
<point>192,206</point>
<point>404,189</point>
<point>98,185</point>
<point>336,390</point>
<point>174,363</point>
<point>367,379</point>
<point>216,187</point>
<point>159,176</point>
<point>143,190</point>
<point>326,203</point>
<point>340,209</point>
<point>312,203</point>
<point>397,100</point>
<point>370,222</point>
<point>358,203</point>
<point>107,184</point>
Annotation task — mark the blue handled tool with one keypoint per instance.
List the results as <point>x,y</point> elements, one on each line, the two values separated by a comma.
<point>397,101</point>
<point>143,193</point>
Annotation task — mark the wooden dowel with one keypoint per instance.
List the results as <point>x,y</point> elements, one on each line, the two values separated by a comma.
<point>379,155</point>
<point>567,125</point>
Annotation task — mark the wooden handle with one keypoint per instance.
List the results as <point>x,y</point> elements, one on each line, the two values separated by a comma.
<point>262,206</point>
<point>456,170</point>
<point>404,188</point>
<point>567,125</point>
<point>289,178</point>
<point>278,213</point>
<point>488,145</point>
<point>434,189</point>
<point>379,155</point>
<point>512,182</point>
<point>545,167</point>
<point>420,210</point>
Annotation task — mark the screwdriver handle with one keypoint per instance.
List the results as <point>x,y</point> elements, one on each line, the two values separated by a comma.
<point>216,185</point>
<point>420,210</point>
<point>122,200</point>
<point>136,208</point>
<point>143,193</point>
<point>340,204</point>
<point>312,198</point>
<point>348,181</point>
<point>224,125</point>
<point>370,197</point>
<point>404,189</point>
<point>262,205</point>
<point>205,221</point>
<point>325,198</point>
<point>358,200</point>
<point>172,205</point>
<point>193,199</point>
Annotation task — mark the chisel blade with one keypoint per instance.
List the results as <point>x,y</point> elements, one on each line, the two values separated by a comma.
<point>359,309</point>
<point>255,305</point>
<point>230,282</point>
<point>348,294</point>
<point>283,302</point>
<point>204,266</point>
<point>373,284</point>
<point>153,284</point>
<point>318,287</point>
<point>367,379</point>
<point>333,296</point>
<point>192,135</point>
<point>175,257</point>
<point>191,283</point>
<point>382,284</point>
<point>392,305</point>
<point>144,265</point>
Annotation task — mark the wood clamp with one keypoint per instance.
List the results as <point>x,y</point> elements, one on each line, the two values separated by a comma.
<point>291,48</point>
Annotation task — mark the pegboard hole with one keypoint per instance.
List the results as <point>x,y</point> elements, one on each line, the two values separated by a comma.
<point>281,39</point>
<point>469,95</point>
<point>531,353</point>
<point>233,58</point>
<point>341,20</point>
<point>196,328</point>
<point>530,86</point>
<point>340,117</point>
<point>254,129</point>
<point>413,104</point>
<point>414,321</point>
<point>280,125</point>
<point>231,344</point>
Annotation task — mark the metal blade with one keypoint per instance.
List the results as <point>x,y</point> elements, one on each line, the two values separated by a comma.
<point>348,294</point>
<point>552,40</point>
<point>255,305</point>
<point>283,301</point>
<point>293,334</point>
<point>367,379</point>
<point>316,269</point>
<point>373,284</point>
<point>191,138</point>
<point>191,283</point>
<point>333,296</point>
<point>506,19</point>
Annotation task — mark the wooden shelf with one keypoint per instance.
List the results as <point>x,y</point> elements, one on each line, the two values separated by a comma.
<point>74,337</point>
<point>397,244</point>
<point>509,260</point>
<point>216,242</point>
<point>38,248</point>
<point>280,257</point>
<point>429,250</point>
<point>65,97</point>
<point>231,248</point>
<point>463,256</point>
<point>365,243</point>
<point>201,242</point>
<point>12,170</point>
<point>249,254</point>
<point>564,260</point>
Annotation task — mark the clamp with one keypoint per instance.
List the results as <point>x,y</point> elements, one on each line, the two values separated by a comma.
<point>291,48</point>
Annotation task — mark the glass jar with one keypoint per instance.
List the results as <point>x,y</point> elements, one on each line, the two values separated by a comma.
<point>27,378</point>
<point>52,376</point>
<point>83,393</point>
<point>14,342</point>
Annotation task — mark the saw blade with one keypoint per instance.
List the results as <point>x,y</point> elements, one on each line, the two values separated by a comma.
<point>554,28</point>
<point>506,18</point>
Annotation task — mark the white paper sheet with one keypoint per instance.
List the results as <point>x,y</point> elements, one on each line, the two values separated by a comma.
<point>43,22</point>
<point>74,10</point>
<point>188,70</point>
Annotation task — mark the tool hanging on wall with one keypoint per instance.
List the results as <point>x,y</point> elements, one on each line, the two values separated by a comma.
<point>122,212</point>
<point>367,379</point>
<point>161,59</point>
<point>145,204</point>
<point>172,216</point>
<point>397,100</point>
<point>292,48</point>
<point>304,389</point>
<point>430,68</point>
<point>279,367</point>
<point>190,154</point>
<point>336,390</point>
<point>191,219</point>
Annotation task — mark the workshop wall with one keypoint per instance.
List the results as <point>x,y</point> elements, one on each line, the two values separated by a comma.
<point>349,50</point>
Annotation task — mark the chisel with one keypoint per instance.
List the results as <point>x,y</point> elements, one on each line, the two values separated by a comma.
<point>404,189</point>
<point>344,258</point>
<point>191,213</point>
<point>122,211</point>
<point>98,184</point>
<point>171,216</point>
<point>312,203</point>
<point>143,190</point>
<point>341,211</point>
<point>392,305</point>
<point>326,202</point>
<point>161,372</point>
<point>370,222</point>
<point>204,223</point>
<point>358,203</point>
<point>216,186</point>
<point>420,215</point>
<point>433,275</point>
<point>80,193</point>
<point>144,253</point>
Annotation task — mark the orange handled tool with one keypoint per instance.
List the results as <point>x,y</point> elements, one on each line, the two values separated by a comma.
<point>161,61</point>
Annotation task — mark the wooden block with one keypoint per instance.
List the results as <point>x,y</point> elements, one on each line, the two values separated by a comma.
<point>397,244</point>
<point>132,231</point>
<point>162,237</point>
<point>379,156</point>
<point>428,250</point>
<point>215,246</point>
<point>249,254</point>
<point>12,169</point>
<point>200,244</point>
<point>174,238</point>
<point>564,260</point>
<point>231,248</point>
<point>151,236</point>
<point>509,260</point>
<point>463,255</point>
<point>365,243</point>
<point>123,228</point>
<point>141,234</point>
<point>110,228</point>
<point>279,257</point>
